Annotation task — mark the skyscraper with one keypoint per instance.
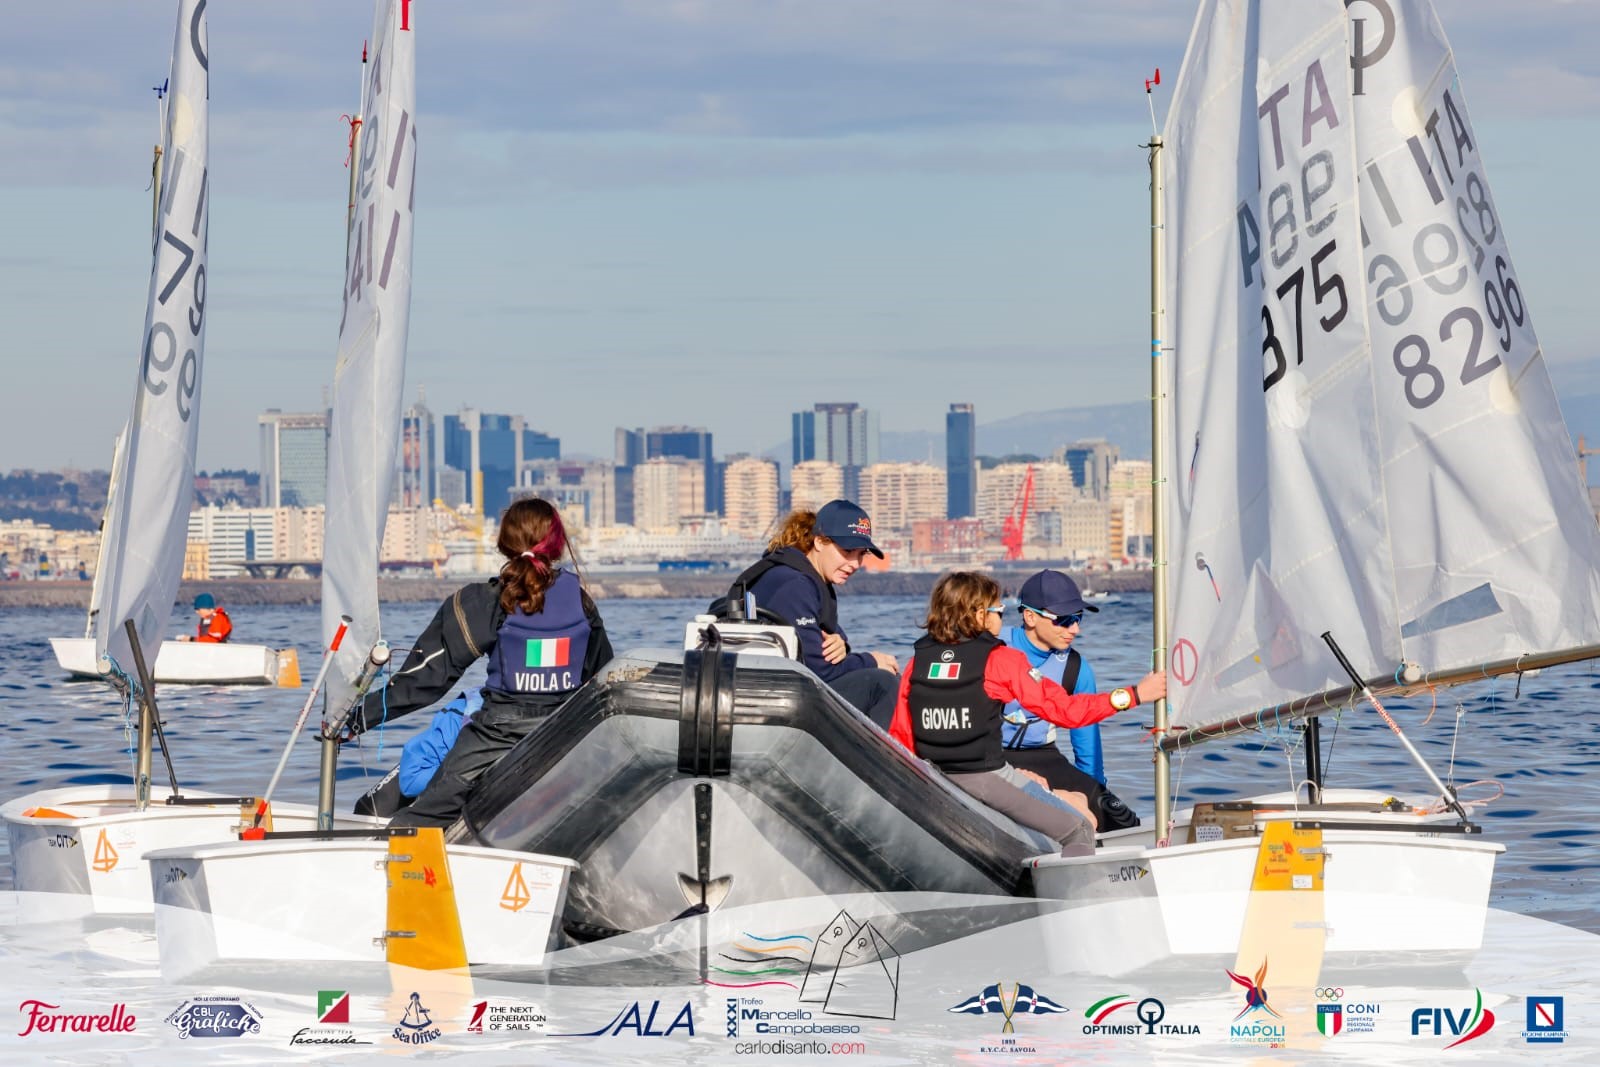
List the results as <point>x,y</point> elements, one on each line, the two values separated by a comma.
<point>842,433</point>
<point>294,459</point>
<point>961,462</point>
<point>419,477</point>
<point>1091,463</point>
<point>495,445</point>
<point>634,447</point>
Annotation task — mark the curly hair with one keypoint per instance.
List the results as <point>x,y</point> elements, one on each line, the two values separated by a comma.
<point>798,531</point>
<point>959,599</point>
<point>533,540</point>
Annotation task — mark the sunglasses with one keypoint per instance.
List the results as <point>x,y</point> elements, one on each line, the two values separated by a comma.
<point>1062,621</point>
<point>1001,610</point>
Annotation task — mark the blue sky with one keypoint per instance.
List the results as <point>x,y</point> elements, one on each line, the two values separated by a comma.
<point>705,211</point>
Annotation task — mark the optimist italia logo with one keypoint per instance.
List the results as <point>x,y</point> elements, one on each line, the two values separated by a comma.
<point>549,652</point>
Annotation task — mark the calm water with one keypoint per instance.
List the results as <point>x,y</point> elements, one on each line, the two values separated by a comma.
<point>1541,745</point>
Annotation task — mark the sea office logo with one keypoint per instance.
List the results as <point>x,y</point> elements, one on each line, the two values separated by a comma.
<point>215,1017</point>
<point>1546,1021</point>
<point>1464,1025</point>
<point>46,1018</point>
<point>637,1021</point>
<point>416,1026</point>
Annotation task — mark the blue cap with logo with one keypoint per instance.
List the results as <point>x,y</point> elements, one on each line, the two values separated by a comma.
<point>1053,592</point>
<point>846,525</point>
<point>204,600</point>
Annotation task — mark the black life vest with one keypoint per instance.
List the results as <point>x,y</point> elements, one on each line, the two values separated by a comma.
<point>732,605</point>
<point>955,723</point>
<point>543,653</point>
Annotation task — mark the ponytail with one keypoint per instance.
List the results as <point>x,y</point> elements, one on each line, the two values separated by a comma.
<point>533,540</point>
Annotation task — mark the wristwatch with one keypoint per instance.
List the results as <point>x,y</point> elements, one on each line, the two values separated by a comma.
<point>1122,699</point>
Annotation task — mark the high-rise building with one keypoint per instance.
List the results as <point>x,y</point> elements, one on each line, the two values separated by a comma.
<point>1091,463</point>
<point>495,446</point>
<point>665,491</point>
<point>842,433</point>
<point>813,483</point>
<point>1130,509</point>
<point>896,495</point>
<point>419,476</point>
<point>584,493</point>
<point>750,496</point>
<point>961,461</point>
<point>999,488</point>
<point>672,442</point>
<point>294,459</point>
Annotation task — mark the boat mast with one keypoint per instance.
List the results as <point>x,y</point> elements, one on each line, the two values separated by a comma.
<point>1158,464</point>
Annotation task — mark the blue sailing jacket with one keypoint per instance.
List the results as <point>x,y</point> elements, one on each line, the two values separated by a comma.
<point>1086,752</point>
<point>422,754</point>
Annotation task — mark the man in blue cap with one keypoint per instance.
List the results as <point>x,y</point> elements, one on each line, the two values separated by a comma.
<point>1052,615</point>
<point>215,627</point>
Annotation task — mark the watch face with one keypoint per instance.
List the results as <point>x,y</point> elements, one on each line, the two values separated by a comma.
<point>1121,699</point>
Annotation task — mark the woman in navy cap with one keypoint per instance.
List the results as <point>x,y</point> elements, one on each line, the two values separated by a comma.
<point>810,554</point>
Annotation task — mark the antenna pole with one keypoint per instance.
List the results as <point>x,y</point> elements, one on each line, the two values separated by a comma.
<point>1158,466</point>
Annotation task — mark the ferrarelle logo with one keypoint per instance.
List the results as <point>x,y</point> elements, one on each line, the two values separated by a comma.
<point>44,1018</point>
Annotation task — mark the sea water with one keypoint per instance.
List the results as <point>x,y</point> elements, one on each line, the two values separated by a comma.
<point>1530,742</point>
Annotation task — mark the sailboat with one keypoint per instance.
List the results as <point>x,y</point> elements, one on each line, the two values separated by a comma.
<point>1391,487</point>
<point>78,851</point>
<point>352,895</point>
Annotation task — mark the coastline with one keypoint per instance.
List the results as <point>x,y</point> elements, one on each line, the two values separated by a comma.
<point>640,585</point>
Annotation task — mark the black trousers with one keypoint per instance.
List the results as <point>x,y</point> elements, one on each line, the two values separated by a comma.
<point>1048,762</point>
<point>872,690</point>
<point>487,736</point>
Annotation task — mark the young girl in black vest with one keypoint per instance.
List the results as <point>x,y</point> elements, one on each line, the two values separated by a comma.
<point>953,695</point>
<point>543,637</point>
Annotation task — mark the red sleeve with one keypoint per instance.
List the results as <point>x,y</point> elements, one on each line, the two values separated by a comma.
<point>1008,677</point>
<point>900,725</point>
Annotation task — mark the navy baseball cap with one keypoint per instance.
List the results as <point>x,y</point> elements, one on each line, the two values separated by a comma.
<point>1053,592</point>
<point>846,525</point>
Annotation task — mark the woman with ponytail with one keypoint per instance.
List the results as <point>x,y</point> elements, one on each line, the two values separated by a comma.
<point>542,634</point>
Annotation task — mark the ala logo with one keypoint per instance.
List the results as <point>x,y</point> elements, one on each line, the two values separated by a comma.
<point>1464,1024</point>
<point>637,1021</point>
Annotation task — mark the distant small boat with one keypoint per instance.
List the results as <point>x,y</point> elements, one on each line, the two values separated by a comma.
<point>181,662</point>
<point>1101,596</point>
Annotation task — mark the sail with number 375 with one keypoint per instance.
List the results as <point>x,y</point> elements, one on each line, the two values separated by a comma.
<point>1394,469</point>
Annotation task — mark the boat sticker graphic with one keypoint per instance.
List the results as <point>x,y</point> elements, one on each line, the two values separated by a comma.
<point>105,857</point>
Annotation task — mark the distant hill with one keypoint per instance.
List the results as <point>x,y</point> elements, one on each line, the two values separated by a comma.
<point>1038,432</point>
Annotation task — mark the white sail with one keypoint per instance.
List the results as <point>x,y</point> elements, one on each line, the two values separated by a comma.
<point>1365,437</point>
<point>370,375</point>
<point>147,519</point>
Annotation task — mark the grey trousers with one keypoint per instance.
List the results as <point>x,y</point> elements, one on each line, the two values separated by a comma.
<point>1003,791</point>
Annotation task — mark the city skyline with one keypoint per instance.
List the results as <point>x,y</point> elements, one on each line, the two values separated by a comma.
<point>634,212</point>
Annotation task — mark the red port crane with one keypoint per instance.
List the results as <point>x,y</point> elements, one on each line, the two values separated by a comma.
<point>1017,522</point>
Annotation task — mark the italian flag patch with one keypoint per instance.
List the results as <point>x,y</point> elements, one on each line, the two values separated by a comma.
<point>944,671</point>
<point>550,652</point>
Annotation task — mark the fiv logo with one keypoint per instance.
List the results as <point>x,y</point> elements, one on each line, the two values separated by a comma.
<point>1463,1025</point>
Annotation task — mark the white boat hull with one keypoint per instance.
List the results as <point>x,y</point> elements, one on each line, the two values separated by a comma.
<point>79,852</point>
<point>181,662</point>
<point>255,903</point>
<point>1389,893</point>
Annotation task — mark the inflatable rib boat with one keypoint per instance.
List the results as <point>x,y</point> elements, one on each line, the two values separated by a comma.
<point>685,781</point>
